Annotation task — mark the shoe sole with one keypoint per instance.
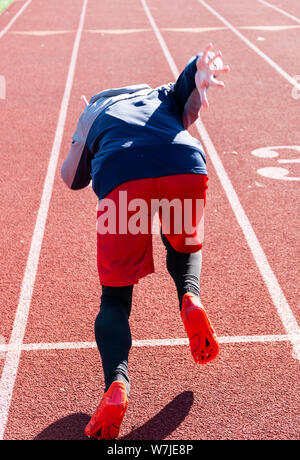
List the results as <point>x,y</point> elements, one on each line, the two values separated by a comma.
<point>203,343</point>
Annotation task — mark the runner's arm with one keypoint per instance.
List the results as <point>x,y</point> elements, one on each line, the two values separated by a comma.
<point>192,84</point>
<point>76,169</point>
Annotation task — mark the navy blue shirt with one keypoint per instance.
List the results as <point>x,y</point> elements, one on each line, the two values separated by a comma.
<point>143,136</point>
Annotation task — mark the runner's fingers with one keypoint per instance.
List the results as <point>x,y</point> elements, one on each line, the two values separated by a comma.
<point>218,83</point>
<point>225,69</point>
<point>208,48</point>
<point>216,56</point>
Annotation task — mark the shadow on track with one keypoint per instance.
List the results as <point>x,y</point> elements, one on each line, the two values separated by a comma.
<point>166,421</point>
<point>70,428</point>
<point>157,428</point>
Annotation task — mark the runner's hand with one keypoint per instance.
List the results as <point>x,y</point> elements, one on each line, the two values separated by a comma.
<point>209,66</point>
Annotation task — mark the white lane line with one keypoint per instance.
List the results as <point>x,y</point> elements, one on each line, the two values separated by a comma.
<point>161,40</point>
<point>279,10</point>
<point>266,58</point>
<point>11,364</point>
<point>283,309</point>
<point>144,343</point>
<point>196,30</point>
<point>116,31</point>
<point>43,33</point>
<point>13,20</point>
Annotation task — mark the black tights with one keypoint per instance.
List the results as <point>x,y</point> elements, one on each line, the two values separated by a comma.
<point>112,329</point>
<point>113,334</point>
<point>185,270</point>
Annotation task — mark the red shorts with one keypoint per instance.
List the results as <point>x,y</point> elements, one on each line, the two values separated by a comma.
<point>125,224</point>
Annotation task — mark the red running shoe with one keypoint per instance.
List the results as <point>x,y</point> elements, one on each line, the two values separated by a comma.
<point>106,421</point>
<point>203,342</point>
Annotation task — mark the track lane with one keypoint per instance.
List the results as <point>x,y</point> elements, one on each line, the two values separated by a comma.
<point>12,357</point>
<point>30,100</point>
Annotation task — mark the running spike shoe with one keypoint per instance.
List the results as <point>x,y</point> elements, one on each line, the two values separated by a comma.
<point>203,342</point>
<point>106,421</point>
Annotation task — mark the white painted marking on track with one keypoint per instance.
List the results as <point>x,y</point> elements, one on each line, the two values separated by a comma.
<point>194,30</point>
<point>279,300</point>
<point>269,28</point>
<point>116,31</point>
<point>13,20</point>
<point>42,33</point>
<point>279,10</point>
<point>275,172</point>
<point>12,359</point>
<point>291,161</point>
<point>2,87</point>
<point>271,151</point>
<point>4,348</point>
<point>214,29</point>
<point>265,152</point>
<point>266,58</point>
<point>46,33</point>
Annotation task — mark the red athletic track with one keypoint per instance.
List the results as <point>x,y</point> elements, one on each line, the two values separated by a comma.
<point>252,390</point>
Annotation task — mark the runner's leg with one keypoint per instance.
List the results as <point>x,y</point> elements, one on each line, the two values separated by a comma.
<point>113,335</point>
<point>185,270</point>
<point>184,249</point>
